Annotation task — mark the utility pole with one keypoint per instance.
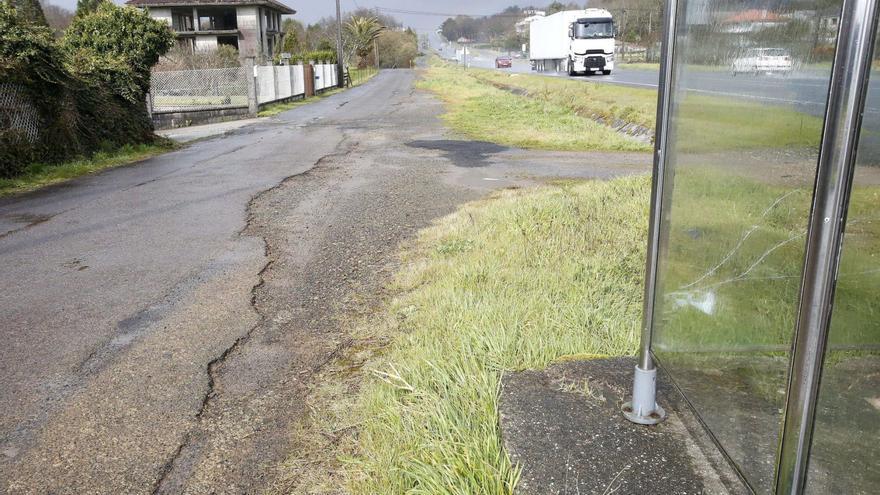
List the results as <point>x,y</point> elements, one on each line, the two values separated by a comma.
<point>376,54</point>
<point>340,56</point>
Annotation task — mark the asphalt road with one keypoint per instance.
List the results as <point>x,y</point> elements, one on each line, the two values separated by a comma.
<point>162,322</point>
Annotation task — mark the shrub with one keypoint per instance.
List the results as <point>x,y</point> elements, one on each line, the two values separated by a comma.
<point>88,92</point>
<point>117,46</point>
<point>320,56</point>
<point>397,49</point>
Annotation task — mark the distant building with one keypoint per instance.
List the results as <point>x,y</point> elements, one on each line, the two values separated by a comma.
<point>751,21</point>
<point>251,26</point>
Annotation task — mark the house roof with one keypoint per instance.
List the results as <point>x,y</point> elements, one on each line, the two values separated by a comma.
<point>754,15</point>
<point>284,9</point>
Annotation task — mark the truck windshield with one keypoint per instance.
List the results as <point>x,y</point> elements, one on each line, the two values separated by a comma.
<point>592,30</point>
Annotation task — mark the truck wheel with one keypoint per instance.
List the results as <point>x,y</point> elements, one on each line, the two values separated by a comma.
<point>606,72</point>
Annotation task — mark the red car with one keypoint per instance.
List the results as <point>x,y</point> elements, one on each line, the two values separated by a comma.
<point>503,62</point>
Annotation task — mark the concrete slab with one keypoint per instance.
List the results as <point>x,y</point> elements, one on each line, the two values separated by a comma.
<point>196,132</point>
<point>563,427</point>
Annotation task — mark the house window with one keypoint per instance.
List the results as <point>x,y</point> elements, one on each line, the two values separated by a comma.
<point>217,19</point>
<point>228,40</point>
<point>182,20</point>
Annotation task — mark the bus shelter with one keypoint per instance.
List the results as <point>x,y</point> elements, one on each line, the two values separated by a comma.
<point>763,277</point>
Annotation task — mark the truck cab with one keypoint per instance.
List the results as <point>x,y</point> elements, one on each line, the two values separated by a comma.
<point>592,43</point>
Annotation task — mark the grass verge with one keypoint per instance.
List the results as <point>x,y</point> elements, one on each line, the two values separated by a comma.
<point>512,282</point>
<point>481,111</point>
<point>528,277</point>
<point>707,123</point>
<point>38,175</point>
<point>541,112</point>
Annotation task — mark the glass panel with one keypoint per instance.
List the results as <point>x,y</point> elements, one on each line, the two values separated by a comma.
<point>748,97</point>
<point>845,457</point>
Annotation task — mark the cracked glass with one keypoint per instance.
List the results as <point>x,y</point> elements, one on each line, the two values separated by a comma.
<point>749,91</point>
<point>845,455</point>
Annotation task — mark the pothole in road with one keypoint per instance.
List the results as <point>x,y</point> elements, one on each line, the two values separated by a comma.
<point>470,154</point>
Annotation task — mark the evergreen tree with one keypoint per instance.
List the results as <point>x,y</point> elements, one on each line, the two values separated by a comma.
<point>30,11</point>
<point>84,7</point>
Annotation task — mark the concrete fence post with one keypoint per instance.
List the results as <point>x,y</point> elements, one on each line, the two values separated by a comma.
<point>290,80</point>
<point>251,75</point>
<point>150,105</point>
<point>309,79</point>
<point>275,88</point>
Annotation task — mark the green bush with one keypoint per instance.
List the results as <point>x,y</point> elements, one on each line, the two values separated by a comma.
<point>320,56</point>
<point>116,46</point>
<point>88,92</point>
<point>397,49</point>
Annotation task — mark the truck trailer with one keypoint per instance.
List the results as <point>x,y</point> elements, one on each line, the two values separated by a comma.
<point>573,41</point>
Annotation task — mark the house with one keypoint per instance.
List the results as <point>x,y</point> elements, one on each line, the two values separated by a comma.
<point>752,21</point>
<point>253,27</point>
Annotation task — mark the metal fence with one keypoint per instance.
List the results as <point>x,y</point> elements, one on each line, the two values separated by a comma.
<point>17,113</point>
<point>219,89</point>
<point>204,89</point>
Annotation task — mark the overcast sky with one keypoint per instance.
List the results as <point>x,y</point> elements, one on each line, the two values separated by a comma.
<point>312,10</point>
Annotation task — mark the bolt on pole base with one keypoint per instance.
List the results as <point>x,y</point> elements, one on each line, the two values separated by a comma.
<point>643,409</point>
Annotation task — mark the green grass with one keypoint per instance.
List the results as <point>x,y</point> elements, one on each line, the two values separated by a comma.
<point>273,109</point>
<point>359,77</point>
<point>637,65</point>
<point>483,112</point>
<point>706,123</point>
<point>529,277</point>
<point>742,241</point>
<point>512,282</point>
<point>39,175</point>
<point>608,101</point>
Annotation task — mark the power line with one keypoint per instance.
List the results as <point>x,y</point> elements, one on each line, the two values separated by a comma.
<point>499,14</point>
<point>444,14</point>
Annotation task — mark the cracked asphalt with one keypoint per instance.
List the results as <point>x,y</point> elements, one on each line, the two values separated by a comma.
<point>162,321</point>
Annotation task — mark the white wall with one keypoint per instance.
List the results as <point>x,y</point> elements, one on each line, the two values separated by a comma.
<point>206,42</point>
<point>249,29</point>
<point>161,15</point>
<point>247,17</point>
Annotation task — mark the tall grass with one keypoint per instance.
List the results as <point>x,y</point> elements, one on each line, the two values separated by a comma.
<point>706,123</point>
<point>484,112</point>
<point>513,282</point>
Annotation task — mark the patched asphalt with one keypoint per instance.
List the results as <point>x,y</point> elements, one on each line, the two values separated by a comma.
<point>563,427</point>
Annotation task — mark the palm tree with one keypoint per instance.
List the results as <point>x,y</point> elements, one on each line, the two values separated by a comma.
<point>362,32</point>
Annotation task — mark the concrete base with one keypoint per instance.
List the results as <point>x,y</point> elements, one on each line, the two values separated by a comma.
<point>563,427</point>
<point>173,120</point>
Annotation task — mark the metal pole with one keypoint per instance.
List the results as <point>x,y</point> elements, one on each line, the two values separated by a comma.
<point>643,409</point>
<point>843,118</point>
<point>465,55</point>
<point>340,55</point>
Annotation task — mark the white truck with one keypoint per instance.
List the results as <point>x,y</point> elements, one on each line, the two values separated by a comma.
<point>573,41</point>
